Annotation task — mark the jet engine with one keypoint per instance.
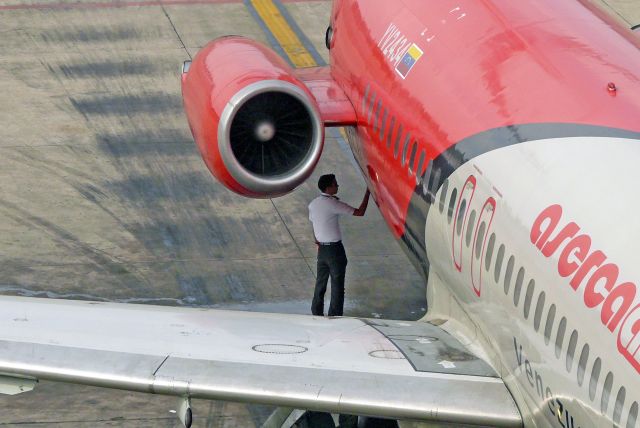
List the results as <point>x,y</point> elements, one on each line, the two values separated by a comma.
<point>257,126</point>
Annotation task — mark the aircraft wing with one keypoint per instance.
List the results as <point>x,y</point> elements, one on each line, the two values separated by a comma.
<point>395,369</point>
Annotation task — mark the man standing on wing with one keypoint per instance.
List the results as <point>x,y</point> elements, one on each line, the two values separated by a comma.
<point>332,260</point>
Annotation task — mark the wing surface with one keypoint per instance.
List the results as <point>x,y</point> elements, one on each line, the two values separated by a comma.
<point>396,369</point>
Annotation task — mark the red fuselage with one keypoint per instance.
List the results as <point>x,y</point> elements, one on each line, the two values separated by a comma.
<point>552,67</point>
<point>474,119</point>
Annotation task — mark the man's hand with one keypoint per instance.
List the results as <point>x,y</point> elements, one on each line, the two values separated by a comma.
<point>359,212</point>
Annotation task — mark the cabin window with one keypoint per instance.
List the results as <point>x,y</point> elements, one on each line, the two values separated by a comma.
<point>595,376</point>
<point>617,410</point>
<point>383,124</point>
<point>405,149</point>
<point>489,255</point>
<point>443,193</point>
<point>480,238</point>
<point>606,393</point>
<point>376,124</point>
<point>633,415</point>
<point>396,148</point>
<point>472,220</point>
<point>571,350</point>
<point>419,171</point>
<point>461,212</point>
<point>528,297</point>
<point>562,329</point>
<point>518,288</point>
<point>499,259</point>
<point>372,102</point>
<point>551,316</point>
<point>412,158</point>
<point>582,363</point>
<point>390,131</point>
<point>508,273</point>
<point>452,202</point>
<point>364,99</point>
<point>539,308</point>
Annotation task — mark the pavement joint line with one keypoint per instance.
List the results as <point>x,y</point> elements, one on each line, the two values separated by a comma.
<point>293,238</point>
<point>175,30</point>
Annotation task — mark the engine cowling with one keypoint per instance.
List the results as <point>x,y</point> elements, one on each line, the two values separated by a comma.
<point>257,126</point>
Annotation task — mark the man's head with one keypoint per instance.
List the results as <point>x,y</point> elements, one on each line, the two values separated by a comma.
<point>328,184</point>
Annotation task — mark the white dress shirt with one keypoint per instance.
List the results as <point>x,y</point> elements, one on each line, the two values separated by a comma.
<point>323,213</point>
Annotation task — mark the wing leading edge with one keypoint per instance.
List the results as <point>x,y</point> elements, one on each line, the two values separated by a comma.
<point>395,369</point>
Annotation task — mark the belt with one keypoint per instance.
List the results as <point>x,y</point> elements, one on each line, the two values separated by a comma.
<point>329,243</point>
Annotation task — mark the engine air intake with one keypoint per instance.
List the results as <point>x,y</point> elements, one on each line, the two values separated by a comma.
<point>270,137</point>
<point>271,134</point>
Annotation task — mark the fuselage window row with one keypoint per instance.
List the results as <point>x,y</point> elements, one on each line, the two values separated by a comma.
<point>378,116</point>
<point>472,220</point>
<point>561,331</point>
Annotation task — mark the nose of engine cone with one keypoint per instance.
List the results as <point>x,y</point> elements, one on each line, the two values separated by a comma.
<point>265,131</point>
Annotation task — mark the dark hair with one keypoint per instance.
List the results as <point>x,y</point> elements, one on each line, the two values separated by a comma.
<point>326,181</point>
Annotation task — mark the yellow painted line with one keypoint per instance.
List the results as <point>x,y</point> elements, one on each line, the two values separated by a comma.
<point>283,33</point>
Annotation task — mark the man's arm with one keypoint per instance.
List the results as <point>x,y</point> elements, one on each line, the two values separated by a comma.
<point>359,212</point>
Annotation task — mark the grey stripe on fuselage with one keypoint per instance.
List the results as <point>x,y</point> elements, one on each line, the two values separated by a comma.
<point>451,159</point>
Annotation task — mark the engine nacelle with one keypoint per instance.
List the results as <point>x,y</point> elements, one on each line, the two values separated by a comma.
<point>257,126</point>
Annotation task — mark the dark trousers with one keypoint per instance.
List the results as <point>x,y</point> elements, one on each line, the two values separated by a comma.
<point>332,261</point>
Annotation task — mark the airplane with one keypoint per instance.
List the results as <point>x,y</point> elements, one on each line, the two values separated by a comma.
<point>499,140</point>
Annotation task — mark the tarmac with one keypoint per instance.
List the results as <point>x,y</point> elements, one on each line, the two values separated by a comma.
<point>103,195</point>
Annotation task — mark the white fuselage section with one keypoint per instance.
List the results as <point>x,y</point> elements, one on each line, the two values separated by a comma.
<point>537,244</point>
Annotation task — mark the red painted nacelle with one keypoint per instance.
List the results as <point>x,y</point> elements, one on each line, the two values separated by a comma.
<point>257,126</point>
